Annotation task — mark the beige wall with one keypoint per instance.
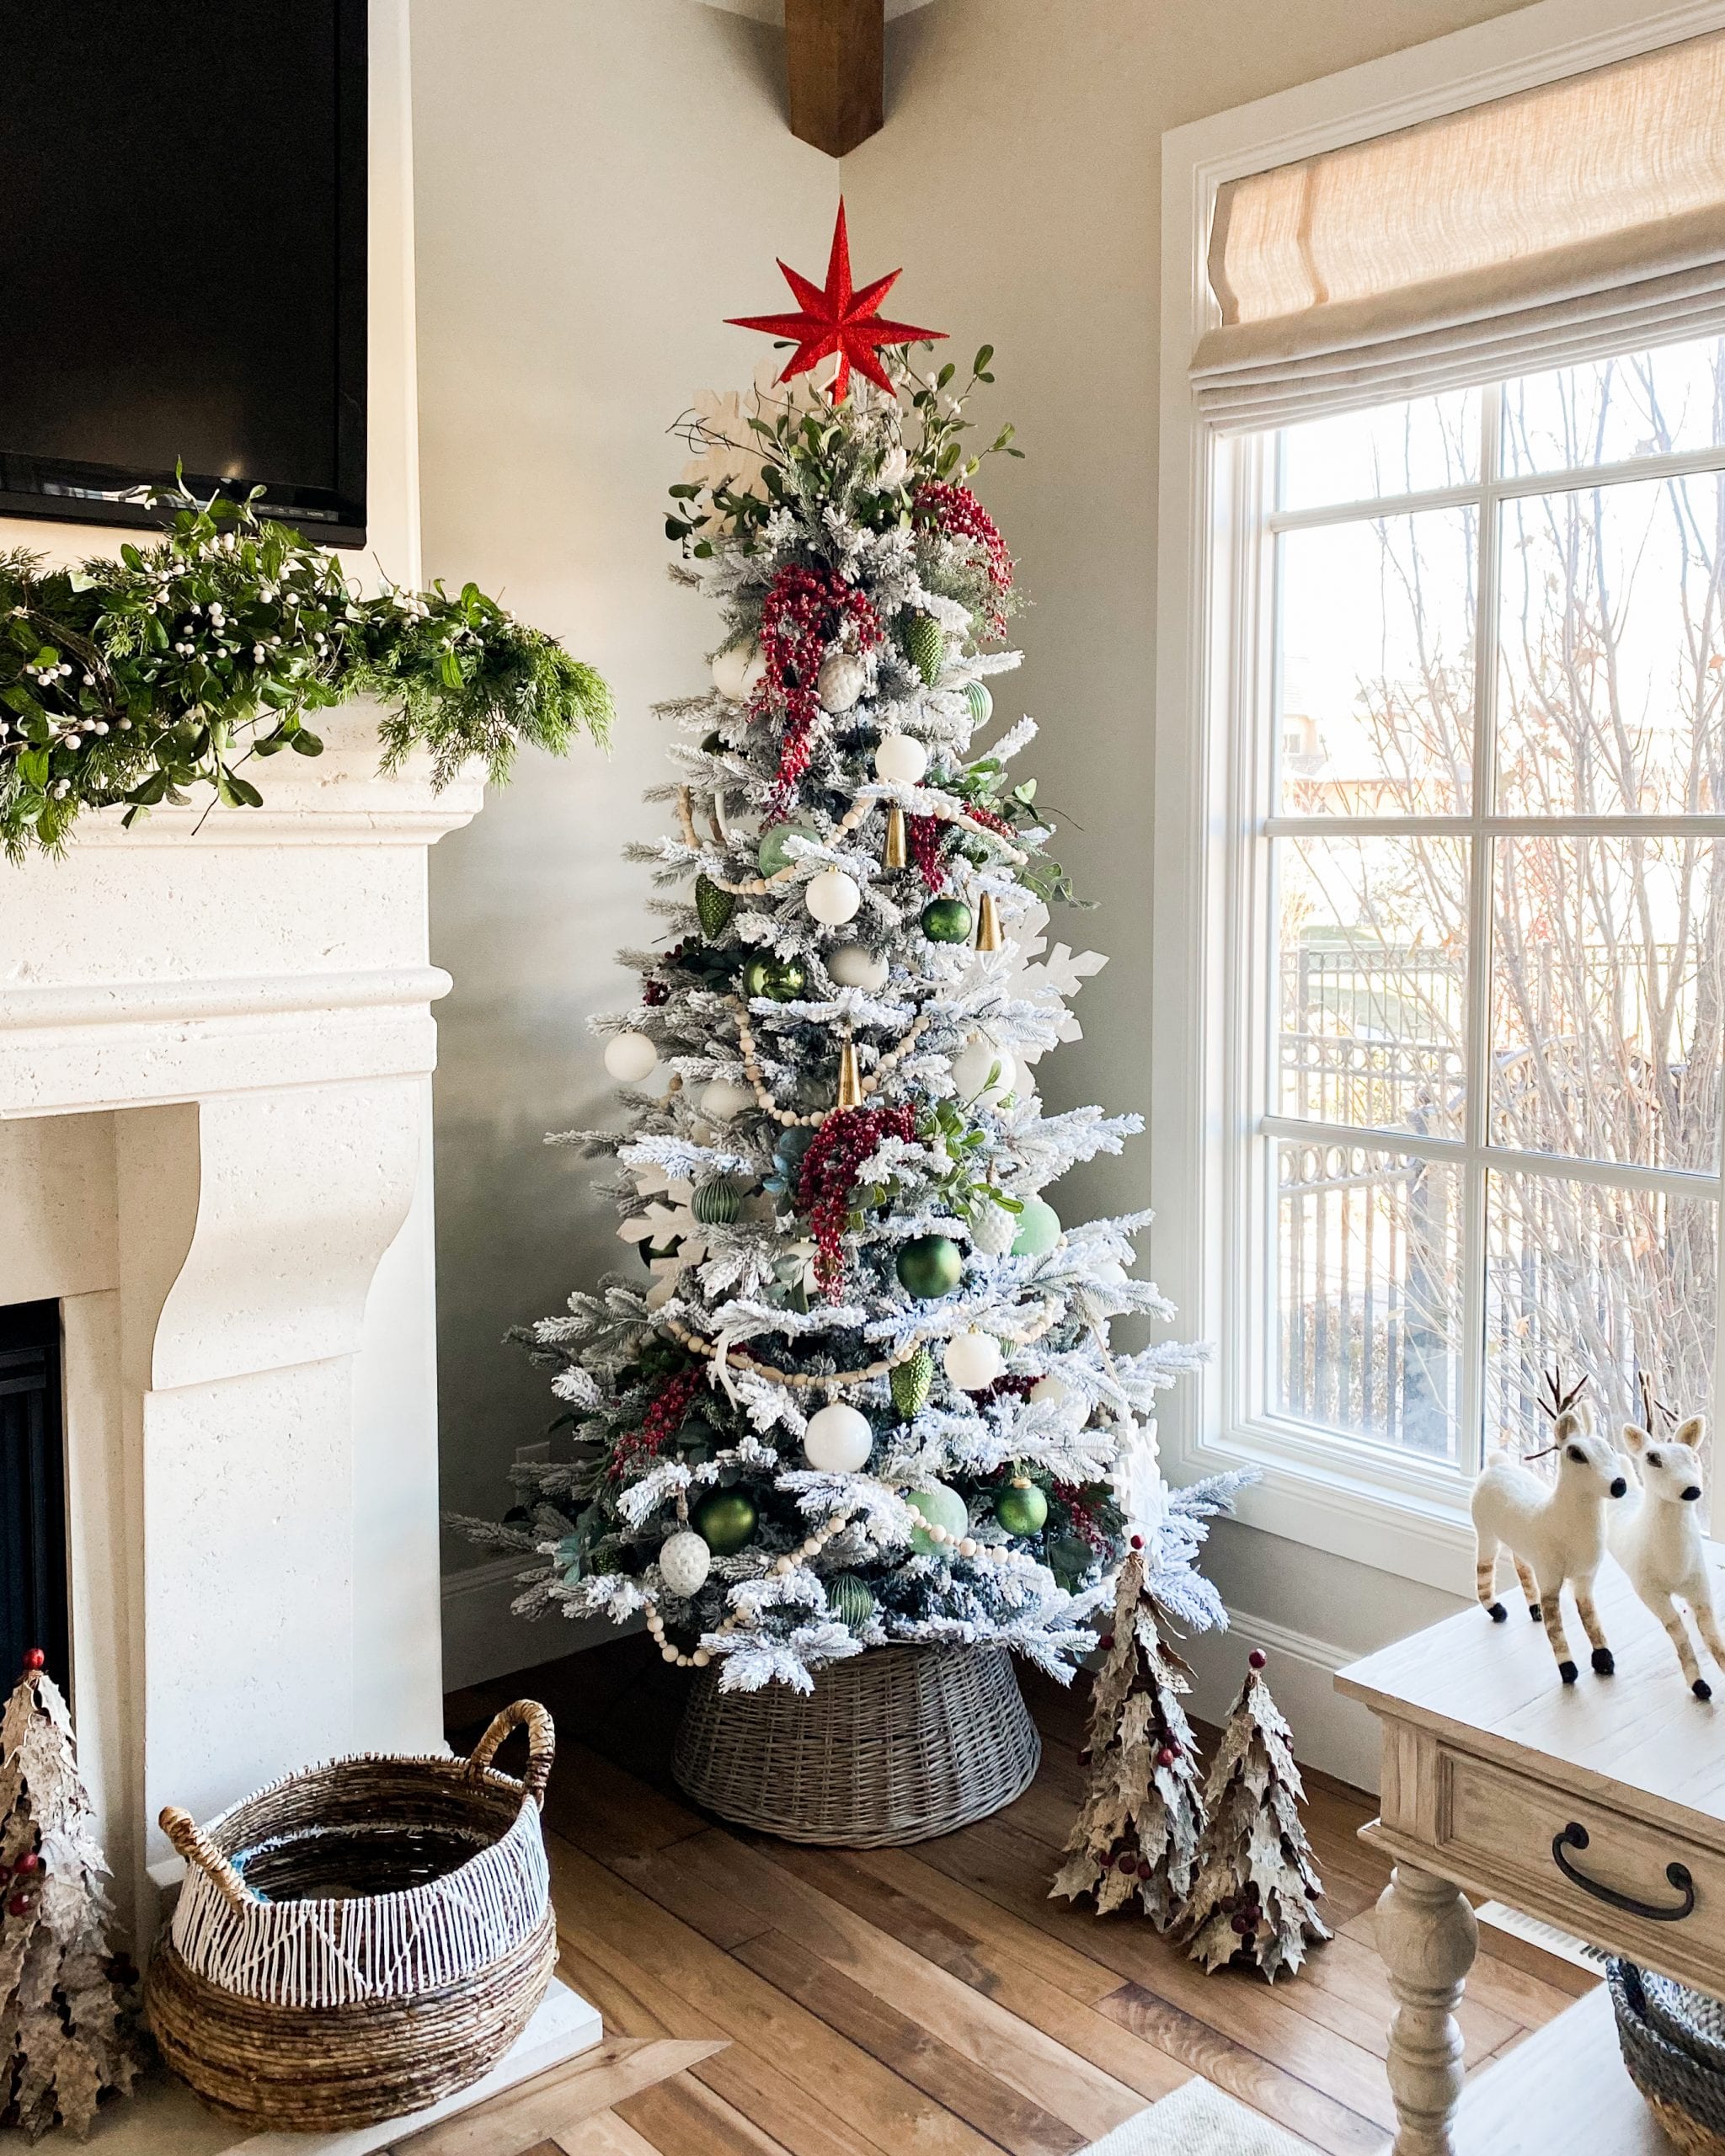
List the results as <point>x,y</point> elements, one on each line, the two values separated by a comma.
<point>598,185</point>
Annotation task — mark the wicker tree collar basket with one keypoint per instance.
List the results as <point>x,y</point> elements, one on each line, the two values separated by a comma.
<point>356,1941</point>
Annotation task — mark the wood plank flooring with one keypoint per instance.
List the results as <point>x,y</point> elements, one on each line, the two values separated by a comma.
<point>762,1999</point>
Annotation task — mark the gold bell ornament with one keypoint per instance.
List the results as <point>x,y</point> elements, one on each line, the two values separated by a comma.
<point>850,1078</point>
<point>895,853</point>
<point>988,924</point>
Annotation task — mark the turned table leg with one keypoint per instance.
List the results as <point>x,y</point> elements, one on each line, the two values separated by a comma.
<point>1428,1939</point>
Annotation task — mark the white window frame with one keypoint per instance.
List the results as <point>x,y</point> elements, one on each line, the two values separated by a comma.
<point>1398,1512</point>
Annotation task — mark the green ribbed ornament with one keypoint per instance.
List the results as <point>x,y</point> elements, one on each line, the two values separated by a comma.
<point>717,1202</point>
<point>981,703</point>
<point>849,1599</point>
<point>714,907</point>
<point>927,648</point>
<point>911,1383</point>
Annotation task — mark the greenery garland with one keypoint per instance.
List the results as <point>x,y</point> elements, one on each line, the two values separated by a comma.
<point>134,680</point>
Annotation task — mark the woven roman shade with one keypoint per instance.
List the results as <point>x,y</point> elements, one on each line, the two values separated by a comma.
<point>1585,215</point>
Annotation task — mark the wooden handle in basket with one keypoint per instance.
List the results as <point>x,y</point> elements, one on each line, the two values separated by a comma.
<point>195,1845</point>
<point>541,1745</point>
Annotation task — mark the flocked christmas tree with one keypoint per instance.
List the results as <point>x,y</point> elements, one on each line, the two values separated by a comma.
<point>66,2023</point>
<point>863,1391</point>
<point>1137,1836</point>
<point>1254,1903</point>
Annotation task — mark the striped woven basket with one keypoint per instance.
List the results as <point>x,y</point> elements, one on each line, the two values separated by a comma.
<point>1672,2041</point>
<point>359,1940</point>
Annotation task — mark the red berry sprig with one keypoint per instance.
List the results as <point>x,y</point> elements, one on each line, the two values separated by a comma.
<point>925,834</point>
<point>660,1424</point>
<point>829,1174</point>
<point>804,611</point>
<point>35,1658</point>
<point>955,513</point>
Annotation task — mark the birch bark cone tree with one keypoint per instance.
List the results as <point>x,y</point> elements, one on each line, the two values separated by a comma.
<point>66,2020</point>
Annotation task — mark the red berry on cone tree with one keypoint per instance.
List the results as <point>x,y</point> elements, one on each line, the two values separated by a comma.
<point>66,2018</point>
<point>1137,1836</point>
<point>1254,1904</point>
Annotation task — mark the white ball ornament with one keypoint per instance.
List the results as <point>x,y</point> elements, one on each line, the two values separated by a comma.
<point>832,897</point>
<point>1050,1391</point>
<point>629,1057</point>
<point>838,1440</point>
<point>901,759</point>
<point>737,670</point>
<point>842,680</point>
<point>684,1561</point>
<point>722,1099</point>
<point>854,965</point>
<point>972,1067</point>
<point>973,1360</point>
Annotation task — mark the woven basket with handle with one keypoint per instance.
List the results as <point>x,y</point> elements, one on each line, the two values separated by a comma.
<point>1672,2041</point>
<point>893,1746</point>
<point>359,1940</point>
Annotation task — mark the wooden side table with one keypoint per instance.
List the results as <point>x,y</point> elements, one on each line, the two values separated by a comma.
<point>1599,1807</point>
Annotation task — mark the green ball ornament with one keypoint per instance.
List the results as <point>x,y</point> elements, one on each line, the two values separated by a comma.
<point>757,977</point>
<point>1022,1511</point>
<point>941,1507</point>
<point>716,1204</point>
<point>1038,1229</point>
<point>927,647</point>
<point>980,701</point>
<point>911,1383</point>
<point>929,1266</point>
<point>849,1599</point>
<point>771,853</point>
<point>947,920</point>
<point>725,1521</point>
<point>790,977</point>
<point>714,907</point>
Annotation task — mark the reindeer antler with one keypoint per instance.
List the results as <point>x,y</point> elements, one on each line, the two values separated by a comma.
<point>1554,1400</point>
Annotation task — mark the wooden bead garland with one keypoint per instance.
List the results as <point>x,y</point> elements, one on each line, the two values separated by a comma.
<point>698,1344</point>
<point>941,806</point>
<point>815,1117</point>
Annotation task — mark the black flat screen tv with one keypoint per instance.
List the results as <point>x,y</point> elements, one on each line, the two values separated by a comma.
<point>183,257</point>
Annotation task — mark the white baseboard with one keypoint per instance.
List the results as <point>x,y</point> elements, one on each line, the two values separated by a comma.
<point>1336,1735</point>
<point>483,1638</point>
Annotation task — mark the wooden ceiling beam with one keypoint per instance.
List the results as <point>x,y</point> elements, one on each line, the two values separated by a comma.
<point>836,51</point>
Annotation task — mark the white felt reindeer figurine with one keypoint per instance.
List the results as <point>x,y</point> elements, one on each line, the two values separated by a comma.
<point>1657,1538</point>
<point>1555,1533</point>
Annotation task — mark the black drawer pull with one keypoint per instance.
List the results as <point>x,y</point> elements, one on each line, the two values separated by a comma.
<point>1574,1836</point>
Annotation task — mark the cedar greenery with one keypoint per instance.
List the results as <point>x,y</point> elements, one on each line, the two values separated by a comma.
<point>135,681</point>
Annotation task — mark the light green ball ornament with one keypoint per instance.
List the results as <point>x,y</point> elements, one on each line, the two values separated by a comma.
<point>1038,1229</point>
<point>849,1599</point>
<point>929,1266</point>
<point>947,920</point>
<point>911,1382</point>
<point>716,1204</point>
<point>981,703</point>
<point>771,854</point>
<point>941,1507</point>
<point>927,647</point>
<point>1021,1510</point>
<point>725,1521</point>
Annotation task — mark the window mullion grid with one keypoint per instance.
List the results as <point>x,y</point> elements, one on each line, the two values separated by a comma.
<point>1478,1019</point>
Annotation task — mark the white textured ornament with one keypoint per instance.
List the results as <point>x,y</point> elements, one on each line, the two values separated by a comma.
<point>972,1065</point>
<point>629,1057</point>
<point>1051,1391</point>
<point>722,1098</point>
<point>838,1440</point>
<point>901,759</point>
<point>737,670</point>
<point>685,1561</point>
<point>992,1228</point>
<point>973,1360</point>
<point>842,679</point>
<point>832,897</point>
<point>854,965</point>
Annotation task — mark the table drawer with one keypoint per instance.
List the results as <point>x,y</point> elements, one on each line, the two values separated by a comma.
<point>1499,1829</point>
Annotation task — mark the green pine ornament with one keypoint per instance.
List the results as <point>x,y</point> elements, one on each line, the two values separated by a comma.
<point>981,703</point>
<point>911,1383</point>
<point>1038,1229</point>
<point>1021,1508</point>
<point>947,920</point>
<point>725,1521</point>
<point>716,1203</point>
<point>929,1266</point>
<point>849,1599</point>
<point>942,1507</point>
<point>714,907</point>
<point>927,648</point>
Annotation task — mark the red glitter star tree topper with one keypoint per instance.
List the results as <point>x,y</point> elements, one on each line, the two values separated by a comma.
<point>837,319</point>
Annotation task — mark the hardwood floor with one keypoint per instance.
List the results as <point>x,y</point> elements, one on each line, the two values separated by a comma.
<point>763,1999</point>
